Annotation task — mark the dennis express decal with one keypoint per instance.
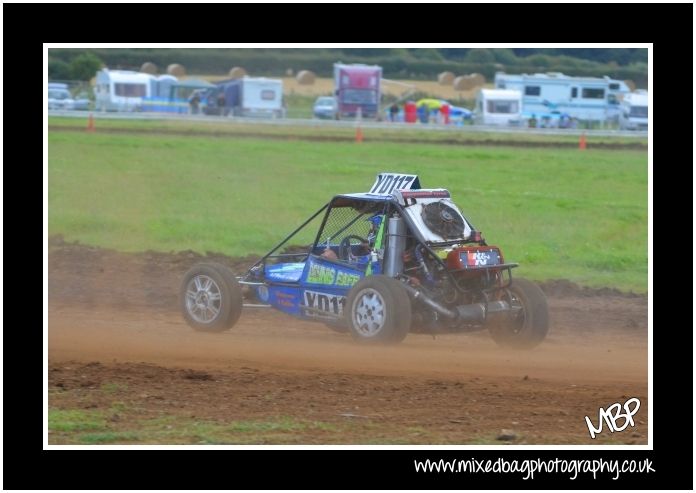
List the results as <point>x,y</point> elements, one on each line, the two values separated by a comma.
<point>323,274</point>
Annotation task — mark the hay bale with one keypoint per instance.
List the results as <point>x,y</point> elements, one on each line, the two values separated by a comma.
<point>445,78</point>
<point>149,68</point>
<point>237,72</point>
<point>176,69</point>
<point>631,85</point>
<point>463,83</point>
<point>478,79</point>
<point>305,77</point>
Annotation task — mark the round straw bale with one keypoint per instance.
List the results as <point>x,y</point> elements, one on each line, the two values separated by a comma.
<point>445,78</point>
<point>479,79</point>
<point>463,83</point>
<point>176,69</point>
<point>237,72</point>
<point>305,77</point>
<point>149,68</point>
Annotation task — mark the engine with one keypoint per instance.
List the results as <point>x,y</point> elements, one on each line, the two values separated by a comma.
<point>455,280</point>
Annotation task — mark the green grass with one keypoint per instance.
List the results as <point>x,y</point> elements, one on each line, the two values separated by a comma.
<point>78,427</point>
<point>135,428</point>
<point>61,420</point>
<point>109,437</point>
<point>300,106</point>
<point>560,213</point>
<point>113,388</point>
<point>235,128</point>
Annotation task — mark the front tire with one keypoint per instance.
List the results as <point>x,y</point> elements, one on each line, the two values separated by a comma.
<point>528,322</point>
<point>210,298</point>
<point>378,310</point>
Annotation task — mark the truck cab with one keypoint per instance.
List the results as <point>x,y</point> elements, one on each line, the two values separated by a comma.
<point>357,89</point>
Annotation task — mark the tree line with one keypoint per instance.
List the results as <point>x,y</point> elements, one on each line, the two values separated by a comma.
<point>405,63</point>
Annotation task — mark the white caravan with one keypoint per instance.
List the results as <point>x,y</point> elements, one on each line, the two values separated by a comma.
<point>259,96</point>
<point>121,90</point>
<point>498,107</point>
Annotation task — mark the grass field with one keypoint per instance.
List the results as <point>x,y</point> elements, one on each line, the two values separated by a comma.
<point>92,427</point>
<point>561,213</point>
<point>233,128</point>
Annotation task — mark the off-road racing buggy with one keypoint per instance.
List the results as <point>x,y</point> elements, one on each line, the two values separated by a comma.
<point>394,260</point>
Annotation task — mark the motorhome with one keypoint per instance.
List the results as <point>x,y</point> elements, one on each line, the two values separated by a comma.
<point>551,94</point>
<point>357,89</point>
<point>498,107</point>
<point>121,90</point>
<point>634,111</point>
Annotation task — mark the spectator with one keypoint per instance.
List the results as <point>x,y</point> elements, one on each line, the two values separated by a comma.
<point>423,113</point>
<point>194,102</point>
<point>564,121</point>
<point>533,121</point>
<point>393,112</point>
<point>221,103</point>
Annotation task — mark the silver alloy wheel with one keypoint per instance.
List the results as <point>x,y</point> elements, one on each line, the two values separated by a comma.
<point>203,299</point>
<point>368,312</point>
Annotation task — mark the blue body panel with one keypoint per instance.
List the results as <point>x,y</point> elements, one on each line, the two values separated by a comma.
<point>318,283</point>
<point>290,272</point>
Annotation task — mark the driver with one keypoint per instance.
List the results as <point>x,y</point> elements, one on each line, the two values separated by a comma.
<point>365,247</point>
<point>329,254</point>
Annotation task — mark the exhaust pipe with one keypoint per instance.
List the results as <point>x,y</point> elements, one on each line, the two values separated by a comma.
<point>396,244</point>
<point>474,313</point>
<point>418,295</point>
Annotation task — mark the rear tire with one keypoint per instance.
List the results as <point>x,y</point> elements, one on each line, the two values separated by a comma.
<point>210,298</point>
<point>378,310</point>
<point>527,327</point>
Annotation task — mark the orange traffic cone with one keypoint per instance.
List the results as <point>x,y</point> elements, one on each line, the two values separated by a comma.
<point>358,134</point>
<point>583,142</point>
<point>90,123</point>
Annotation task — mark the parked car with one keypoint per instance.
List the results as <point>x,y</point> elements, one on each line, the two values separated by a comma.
<point>81,102</point>
<point>326,107</point>
<point>59,99</point>
<point>458,114</point>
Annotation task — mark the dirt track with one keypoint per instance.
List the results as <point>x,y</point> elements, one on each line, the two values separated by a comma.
<point>113,321</point>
